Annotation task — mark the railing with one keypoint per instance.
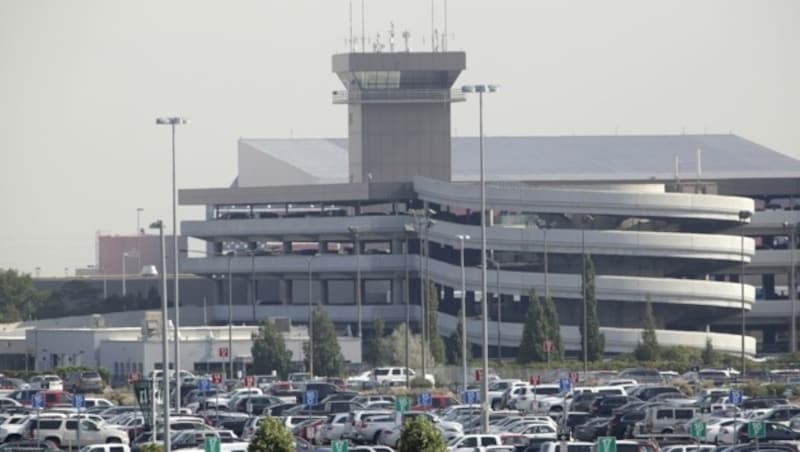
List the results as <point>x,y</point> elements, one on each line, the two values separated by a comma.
<point>398,95</point>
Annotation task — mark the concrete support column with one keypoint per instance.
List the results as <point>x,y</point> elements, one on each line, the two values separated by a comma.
<point>768,283</point>
<point>283,290</point>
<point>397,287</point>
<point>287,247</point>
<point>323,247</point>
<point>397,246</point>
<point>219,292</point>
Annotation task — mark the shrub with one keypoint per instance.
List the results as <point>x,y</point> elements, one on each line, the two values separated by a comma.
<point>152,447</point>
<point>420,435</point>
<point>272,436</point>
<point>754,389</point>
<point>420,382</point>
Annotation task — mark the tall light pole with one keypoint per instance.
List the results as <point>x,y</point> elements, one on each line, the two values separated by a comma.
<point>230,255</point>
<point>310,320</point>
<point>792,285</point>
<point>499,307</point>
<point>124,273</point>
<point>462,238</point>
<point>480,89</point>
<point>422,228</point>
<point>164,333</point>
<point>253,285</point>
<point>408,228</point>
<point>428,294</point>
<point>173,121</point>
<point>744,216</point>
<point>357,244</point>
<point>586,219</point>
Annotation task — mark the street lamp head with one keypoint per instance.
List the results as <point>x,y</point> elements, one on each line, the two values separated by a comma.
<point>158,224</point>
<point>431,222</point>
<point>229,254</point>
<point>745,215</point>
<point>353,229</point>
<point>588,219</point>
<point>409,228</point>
<point>480,88</point>
<point>171,121</point>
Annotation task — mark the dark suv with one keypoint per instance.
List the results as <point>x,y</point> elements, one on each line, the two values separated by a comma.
<point>86,381</point>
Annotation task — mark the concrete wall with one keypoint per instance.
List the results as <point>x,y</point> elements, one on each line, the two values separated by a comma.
<point>395,142</point>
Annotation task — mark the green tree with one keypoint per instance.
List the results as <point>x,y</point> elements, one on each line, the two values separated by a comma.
<point>328,359</point>
<point>454,342</point>
<point>595,341</point>
<point>553,328</point>
<point>419,435</point>
<point>271,436</point>
<point>531,347</point>
<point>269,351</point>
<point>377,350</point>
<point>397,346</point>
<point>708,353</point>
<point>19,299</point>
<point>648,349</point>
<point>436,342</point>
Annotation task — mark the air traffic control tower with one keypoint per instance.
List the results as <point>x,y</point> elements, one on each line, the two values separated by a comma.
<point>398,113</point>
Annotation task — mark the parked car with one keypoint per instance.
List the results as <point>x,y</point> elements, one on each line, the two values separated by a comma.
<point>772,432</point>
<point>53,382</point>
<point>85,381</point>
<point>63,432</point>
<point>28,445</point>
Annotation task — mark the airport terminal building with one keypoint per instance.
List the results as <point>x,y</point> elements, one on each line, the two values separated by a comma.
<point>353,225</point>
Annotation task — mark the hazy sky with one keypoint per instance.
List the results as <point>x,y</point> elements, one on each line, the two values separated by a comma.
<point>82,81</point>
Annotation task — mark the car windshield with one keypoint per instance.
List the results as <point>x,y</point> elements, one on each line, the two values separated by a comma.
<point>90,375</point>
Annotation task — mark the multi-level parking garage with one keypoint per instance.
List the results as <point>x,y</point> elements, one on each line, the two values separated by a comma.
<point>330,221</point>
<point>645,245</point>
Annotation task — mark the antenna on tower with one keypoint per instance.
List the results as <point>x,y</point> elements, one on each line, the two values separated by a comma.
<point>391,37</point>
<point>352,43</point>
<point>433,14</point>
<point>444,36</point>
<point>363,33</point>
<point>406,35</point>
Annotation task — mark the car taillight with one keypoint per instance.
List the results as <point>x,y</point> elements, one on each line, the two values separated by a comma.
<point>363,424</point>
